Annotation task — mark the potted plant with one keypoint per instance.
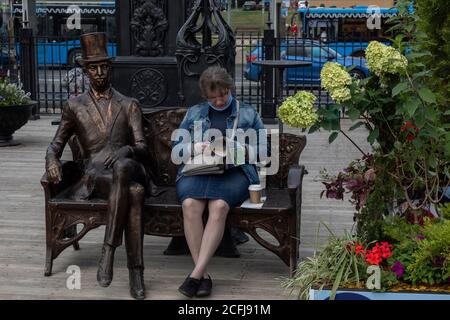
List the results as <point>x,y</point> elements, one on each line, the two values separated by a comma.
<point>15,110</point>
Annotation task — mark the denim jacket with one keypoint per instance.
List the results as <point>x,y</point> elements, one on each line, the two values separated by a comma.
<point>248,119</point>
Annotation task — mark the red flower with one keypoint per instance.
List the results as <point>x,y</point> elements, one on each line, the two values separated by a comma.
<point>378,253</point>
<point>373,258</point>
<point>428,213</point>
<point>386,250</point>
<point>359,249</point>
<point>410,137</point>
<point>411,129</point>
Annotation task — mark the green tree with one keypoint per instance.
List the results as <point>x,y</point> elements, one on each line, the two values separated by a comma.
<point>434,23</point>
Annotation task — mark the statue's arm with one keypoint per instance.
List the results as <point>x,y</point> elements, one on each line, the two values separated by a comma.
<point>65,131</point>
<point>56,147</point>
<point>139,148</point>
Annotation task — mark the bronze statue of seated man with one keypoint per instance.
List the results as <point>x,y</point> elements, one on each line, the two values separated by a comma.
<point>108,126</point>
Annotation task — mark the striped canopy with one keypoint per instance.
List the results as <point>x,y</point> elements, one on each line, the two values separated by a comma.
<point>355,12</point>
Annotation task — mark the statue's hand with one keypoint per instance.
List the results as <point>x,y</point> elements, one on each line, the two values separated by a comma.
<point>54,171</point>
<point>122,153</point>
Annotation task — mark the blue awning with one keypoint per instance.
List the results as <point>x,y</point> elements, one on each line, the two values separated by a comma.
<point>355,12</point>
<point>99,9</point>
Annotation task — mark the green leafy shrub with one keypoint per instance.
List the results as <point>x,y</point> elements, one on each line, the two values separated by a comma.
<point>445,211</point>
<point>435,24</point>
<point>405,237</point>
<point>431,260</point>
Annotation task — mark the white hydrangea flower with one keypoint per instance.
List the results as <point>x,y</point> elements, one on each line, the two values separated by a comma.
<point>298,110</point>
<point>336,80</point>
<point>382,59</point>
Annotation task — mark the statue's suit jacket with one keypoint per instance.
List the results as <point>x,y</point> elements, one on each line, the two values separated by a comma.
<point>97,139</point>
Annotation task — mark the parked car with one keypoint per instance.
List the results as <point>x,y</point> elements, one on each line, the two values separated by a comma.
<point>249,5</point>
<point>306,50</point>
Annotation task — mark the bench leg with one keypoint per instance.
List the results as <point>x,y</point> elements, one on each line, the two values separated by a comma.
<point>48,262</point>
<point>48,241</point>
<point>294,234</point>
<point>76,246</point>
<point>293,256</point>
<point>71,233</point>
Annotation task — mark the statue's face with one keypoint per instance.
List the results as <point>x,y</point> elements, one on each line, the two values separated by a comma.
<point>98,73</point>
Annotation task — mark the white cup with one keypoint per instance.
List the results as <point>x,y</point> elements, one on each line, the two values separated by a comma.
<point>255,191</point>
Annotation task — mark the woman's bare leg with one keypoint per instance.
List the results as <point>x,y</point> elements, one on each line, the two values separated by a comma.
<point>212,235</point>
<point>193,224</point>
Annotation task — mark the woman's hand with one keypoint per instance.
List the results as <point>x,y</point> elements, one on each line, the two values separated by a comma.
<point>199,147</point>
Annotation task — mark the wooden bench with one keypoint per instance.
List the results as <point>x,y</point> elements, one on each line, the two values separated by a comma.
<point>280,215</point>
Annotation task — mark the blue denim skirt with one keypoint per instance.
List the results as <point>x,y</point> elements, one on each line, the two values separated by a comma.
<point>231,186</point>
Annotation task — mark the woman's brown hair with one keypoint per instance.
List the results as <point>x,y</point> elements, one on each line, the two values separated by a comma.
<point>215,78</point>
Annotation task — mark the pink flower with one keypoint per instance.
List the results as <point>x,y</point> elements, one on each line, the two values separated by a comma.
<point>355,183</point>
<point>370,175</point>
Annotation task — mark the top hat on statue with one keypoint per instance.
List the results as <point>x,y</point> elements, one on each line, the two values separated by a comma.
<point>94,47</point>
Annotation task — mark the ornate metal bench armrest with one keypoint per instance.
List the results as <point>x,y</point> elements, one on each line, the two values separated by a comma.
<point>46,184</point>
<point>69,176</point>
<point>295,177</point>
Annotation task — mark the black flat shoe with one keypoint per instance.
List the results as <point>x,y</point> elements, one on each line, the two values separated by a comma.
<point>204,289</point>
<point>189,287</point>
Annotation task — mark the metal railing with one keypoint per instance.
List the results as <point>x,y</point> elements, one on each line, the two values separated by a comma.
<point>57,77</point>
<point>246,90</point>
<point>53,73</point>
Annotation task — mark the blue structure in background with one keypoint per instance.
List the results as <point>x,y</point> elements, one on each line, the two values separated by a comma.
<point>56,43</point>
<point>341,24</point>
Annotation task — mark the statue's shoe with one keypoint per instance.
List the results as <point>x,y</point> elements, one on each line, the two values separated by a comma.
<point>105,266</point>
<point>137,287</point>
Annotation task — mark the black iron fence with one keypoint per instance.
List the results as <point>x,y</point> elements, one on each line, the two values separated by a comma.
<point>53,77</point>
<point>58,75</point>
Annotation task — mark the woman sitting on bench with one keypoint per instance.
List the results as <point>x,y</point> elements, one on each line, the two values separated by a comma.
<point>218,192</point>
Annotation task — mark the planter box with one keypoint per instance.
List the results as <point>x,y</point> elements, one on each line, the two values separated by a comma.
<point>13,118</point>
<point>369,295</point>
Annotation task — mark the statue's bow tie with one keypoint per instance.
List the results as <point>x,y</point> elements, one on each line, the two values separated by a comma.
<point>103,96</point>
